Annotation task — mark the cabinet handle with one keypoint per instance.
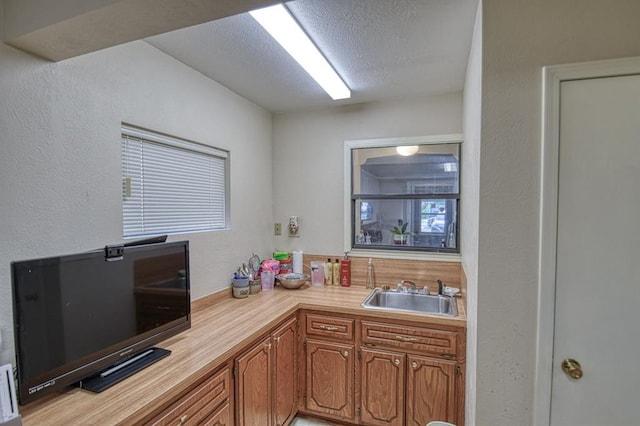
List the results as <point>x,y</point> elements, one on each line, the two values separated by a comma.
<point>329,327</point>
<point>268,346</point>
<point>396,362</point>
<point>183,419</point>
<point>345,353</point>
<point>414,364</point>
<point>407,339</point>
<point>277,339</point>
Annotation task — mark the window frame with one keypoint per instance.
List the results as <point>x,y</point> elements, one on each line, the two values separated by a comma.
<point>218,157</point>
<point>401,252</point>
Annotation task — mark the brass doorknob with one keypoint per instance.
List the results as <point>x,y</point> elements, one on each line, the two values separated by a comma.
<point>571,368</point>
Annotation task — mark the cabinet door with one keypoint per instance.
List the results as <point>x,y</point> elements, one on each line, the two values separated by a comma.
<point>253,385</point>
<point>382,387</point>
<point>330,378</point>
<point>430,390</point>
<point>285,366</point>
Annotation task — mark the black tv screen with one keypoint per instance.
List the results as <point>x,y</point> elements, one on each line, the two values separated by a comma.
<point>75,315</point>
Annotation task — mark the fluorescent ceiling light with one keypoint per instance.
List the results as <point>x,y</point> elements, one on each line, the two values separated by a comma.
<point>407,150</point>
<point>280,24</point>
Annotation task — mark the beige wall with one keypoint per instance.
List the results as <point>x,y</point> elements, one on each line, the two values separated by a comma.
<point>470,195</point>
<point>519,38</point>
<point>308,175</point>
<point>60,157</point>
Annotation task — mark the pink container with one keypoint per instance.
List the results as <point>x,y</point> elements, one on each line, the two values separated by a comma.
<point>317,273</point>
<point>267,278</point>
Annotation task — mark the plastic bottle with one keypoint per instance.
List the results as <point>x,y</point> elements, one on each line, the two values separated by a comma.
<point>371,283</point>
<point>328,272</point>
<point>345,271</point>
<point>336,272</point>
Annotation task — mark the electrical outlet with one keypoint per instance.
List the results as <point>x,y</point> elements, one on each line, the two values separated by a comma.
<point>277,228</point>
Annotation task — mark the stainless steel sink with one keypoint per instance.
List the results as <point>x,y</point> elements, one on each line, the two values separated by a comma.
<point>413,302</point>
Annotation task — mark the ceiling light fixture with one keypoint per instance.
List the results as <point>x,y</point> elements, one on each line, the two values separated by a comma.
<point>407,150</point>
<point>285,30</point>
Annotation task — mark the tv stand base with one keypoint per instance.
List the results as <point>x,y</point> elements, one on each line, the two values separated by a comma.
<point>118,372</point>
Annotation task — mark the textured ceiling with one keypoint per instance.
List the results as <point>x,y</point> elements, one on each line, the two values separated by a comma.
<point>383,49</point>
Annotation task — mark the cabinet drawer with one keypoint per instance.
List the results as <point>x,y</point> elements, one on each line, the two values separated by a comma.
<point>199,403</point>
<point>439,342</point>
<point>328,326</point>
<point>221,417</point>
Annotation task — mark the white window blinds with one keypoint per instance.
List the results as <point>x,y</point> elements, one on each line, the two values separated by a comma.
<point>170,185</point>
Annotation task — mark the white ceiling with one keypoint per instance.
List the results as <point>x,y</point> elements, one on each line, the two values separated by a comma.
<point>383,49</point>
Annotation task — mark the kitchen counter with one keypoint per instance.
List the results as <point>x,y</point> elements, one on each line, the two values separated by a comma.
<point>220,328</point>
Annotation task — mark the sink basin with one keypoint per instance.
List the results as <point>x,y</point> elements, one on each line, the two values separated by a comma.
<point>413,302</point>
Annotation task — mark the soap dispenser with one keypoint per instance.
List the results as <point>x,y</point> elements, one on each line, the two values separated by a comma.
<point>371,283</point>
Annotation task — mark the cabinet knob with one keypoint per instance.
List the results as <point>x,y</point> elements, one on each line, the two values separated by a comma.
<point>345,353</point>
<point>268,346</point>
<point>414,364</point>
<point>396,362</point>
<point>277,339</point>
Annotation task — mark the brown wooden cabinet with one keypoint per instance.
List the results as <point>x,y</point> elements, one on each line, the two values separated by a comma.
<point>253,385</point>
<point>266,392</point>
<point>209,400</point>
<point>329,366</point>
<point>383,383</point>
<point>285,367</point>
<point>403,373</point>
<point>431,390</point>
<point>430,361</point>
<point>330,379</point>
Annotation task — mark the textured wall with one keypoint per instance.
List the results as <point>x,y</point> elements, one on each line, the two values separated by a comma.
<point>308,168</point>
<point>519,38</point>
<point>60,157</point>
<point>472,117</point>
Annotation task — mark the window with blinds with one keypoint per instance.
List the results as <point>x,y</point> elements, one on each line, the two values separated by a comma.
<point>170,185</point>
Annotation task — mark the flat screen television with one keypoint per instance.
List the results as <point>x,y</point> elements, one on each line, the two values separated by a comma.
<point>91,319</point>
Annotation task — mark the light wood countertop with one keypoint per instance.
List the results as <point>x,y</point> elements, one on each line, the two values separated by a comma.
<point>218,332</point>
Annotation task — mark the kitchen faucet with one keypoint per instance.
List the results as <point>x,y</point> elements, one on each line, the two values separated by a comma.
<point>401,286</point>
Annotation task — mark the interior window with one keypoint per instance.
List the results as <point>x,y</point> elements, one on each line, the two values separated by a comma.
<point>405,197</point>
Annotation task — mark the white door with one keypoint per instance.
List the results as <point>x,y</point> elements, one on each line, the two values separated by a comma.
<point>597,275</point>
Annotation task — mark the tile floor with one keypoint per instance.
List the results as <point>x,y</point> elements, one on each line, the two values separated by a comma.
<point>309,422</point>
